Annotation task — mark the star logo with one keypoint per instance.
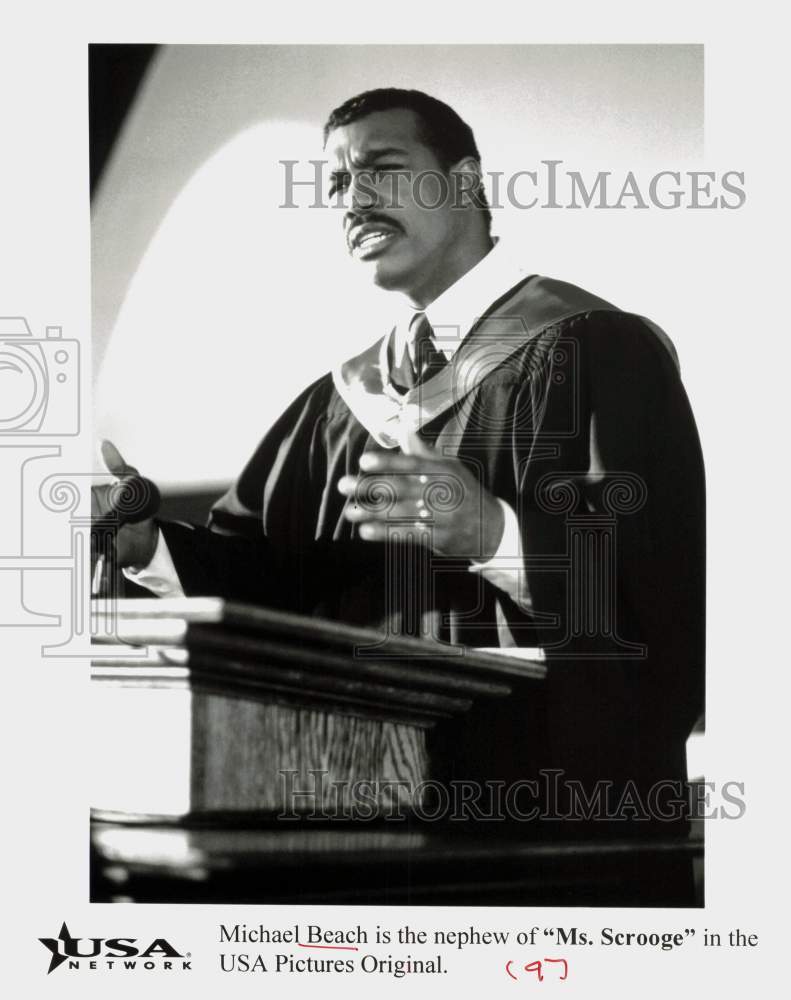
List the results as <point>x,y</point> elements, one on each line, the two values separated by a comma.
<point>53,945</point>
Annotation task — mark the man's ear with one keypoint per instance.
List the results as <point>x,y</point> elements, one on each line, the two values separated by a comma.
<point>467,179</point>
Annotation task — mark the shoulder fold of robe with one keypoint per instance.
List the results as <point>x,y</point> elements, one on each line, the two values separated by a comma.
<point>522,314</point>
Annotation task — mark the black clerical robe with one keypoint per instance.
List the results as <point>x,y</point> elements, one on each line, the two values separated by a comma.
<point>572,412</point>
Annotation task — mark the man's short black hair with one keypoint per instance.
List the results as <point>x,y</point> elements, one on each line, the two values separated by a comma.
<point>442,129</point>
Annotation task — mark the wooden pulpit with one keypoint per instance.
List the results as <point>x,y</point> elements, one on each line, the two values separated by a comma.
<point>246,755</point>
<point>203,707</point>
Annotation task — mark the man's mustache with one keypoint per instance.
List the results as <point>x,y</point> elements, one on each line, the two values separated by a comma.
<point>353,219</point>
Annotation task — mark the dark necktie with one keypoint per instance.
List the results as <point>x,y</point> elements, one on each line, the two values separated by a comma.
<point>421,360</point>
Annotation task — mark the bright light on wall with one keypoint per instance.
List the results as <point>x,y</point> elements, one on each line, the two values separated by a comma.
<point>236,305</point>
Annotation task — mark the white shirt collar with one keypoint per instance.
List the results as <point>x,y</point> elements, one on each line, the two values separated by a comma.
<point>454,313</point>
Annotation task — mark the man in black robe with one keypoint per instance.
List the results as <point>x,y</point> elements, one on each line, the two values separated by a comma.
<point>514,464</point>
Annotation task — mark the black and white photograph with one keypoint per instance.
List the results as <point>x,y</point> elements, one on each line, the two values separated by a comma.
<point>387,526</point>
<point>509,474</point>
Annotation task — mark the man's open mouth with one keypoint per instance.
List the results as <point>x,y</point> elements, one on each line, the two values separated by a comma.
<point>369,240</point>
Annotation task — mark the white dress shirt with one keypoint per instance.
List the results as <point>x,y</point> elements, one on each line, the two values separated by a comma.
<point>452,315</point>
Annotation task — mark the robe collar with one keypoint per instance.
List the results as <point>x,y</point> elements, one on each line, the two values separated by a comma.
<point>504,307</point>
<point>363,382</point>
<point>454,313</point>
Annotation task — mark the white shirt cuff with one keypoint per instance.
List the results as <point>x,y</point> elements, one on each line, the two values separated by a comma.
<point>159,576</point>
<point>506,568</point>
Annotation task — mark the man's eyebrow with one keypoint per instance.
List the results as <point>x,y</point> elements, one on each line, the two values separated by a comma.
<point>370,156</point>
<point>367,159</point>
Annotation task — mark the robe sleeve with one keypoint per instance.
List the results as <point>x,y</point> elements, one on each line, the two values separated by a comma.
<point>270,539</point>
<point>635,461</point>
<point>233,556</point>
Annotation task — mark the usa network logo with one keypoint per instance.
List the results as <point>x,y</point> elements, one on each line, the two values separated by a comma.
<point>112,953</point>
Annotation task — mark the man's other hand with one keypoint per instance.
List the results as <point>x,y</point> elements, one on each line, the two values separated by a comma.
<point>421,489</point>
<point>135,543</point>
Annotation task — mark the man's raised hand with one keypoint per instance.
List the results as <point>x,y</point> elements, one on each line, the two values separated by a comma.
<point>129,505</point>
<point>436,495</point>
